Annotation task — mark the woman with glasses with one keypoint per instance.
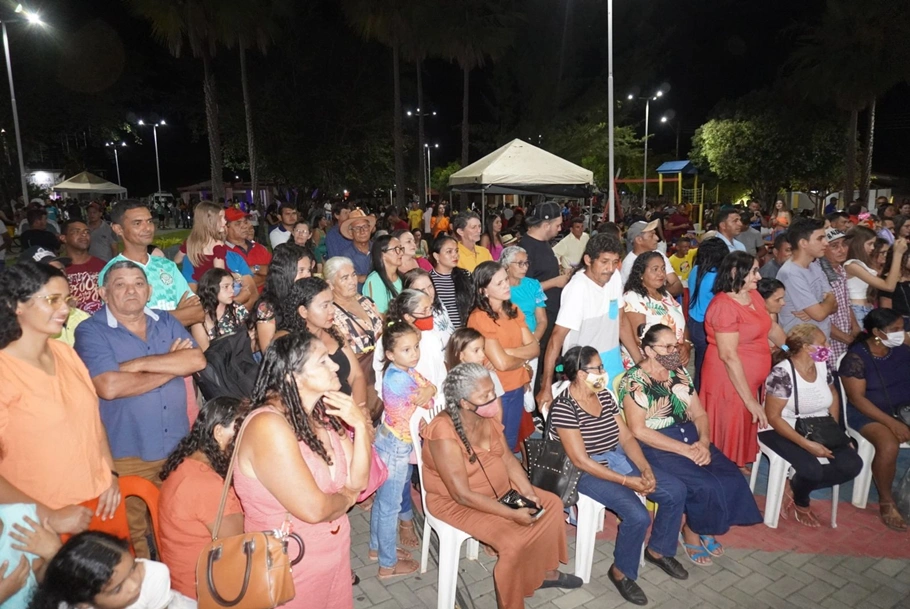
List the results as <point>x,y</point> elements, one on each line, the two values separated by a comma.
<point>738,359</point>
<point>384,283</point>
<point>586,420</point>
<point>408,250</point>
<point>527,295</point>
<point>664,413</point>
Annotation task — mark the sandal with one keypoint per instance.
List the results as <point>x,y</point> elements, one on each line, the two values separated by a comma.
<point>710,543</point>
<point>407,537</point>
<point>891,518</point>
<point>402,567</point>
<point>696,553</point>
<point>804,516</point>
<point>400,553</point>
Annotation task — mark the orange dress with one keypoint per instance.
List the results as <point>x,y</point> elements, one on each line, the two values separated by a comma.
<point>439,224</point>
<point>525,553</point>
<point>732,429</point>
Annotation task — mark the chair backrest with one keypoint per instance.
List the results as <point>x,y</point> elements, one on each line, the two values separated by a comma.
<point>130,486</point>
<point>421,416</point>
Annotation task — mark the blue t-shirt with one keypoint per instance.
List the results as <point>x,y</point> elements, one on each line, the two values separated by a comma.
<point>363,263</point>
<point>698,304</point>
<point>529,296</point>
<point>233,261</point>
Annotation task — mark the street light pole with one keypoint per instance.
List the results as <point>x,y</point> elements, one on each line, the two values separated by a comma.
<point>12,94</point>
<point>612,195</point>
<point>644,184</point>
<point>429,172</point>
<point>158,166</point>
<point>116,158</point>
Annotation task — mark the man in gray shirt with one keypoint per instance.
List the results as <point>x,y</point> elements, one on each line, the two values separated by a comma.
<point>810,297</point>
<point>780,253</point>
<point>103,242</point>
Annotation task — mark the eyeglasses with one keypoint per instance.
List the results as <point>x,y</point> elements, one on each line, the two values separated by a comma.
<point>599,369</point>
<point>54,300</point>
<point>668,348</point>
<point>397,250</point>
<point>360,228</point>
<point>523,264</point>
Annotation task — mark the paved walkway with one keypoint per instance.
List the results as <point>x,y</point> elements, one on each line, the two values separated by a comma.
<point>744,578</point>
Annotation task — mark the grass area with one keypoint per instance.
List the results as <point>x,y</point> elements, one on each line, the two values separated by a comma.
<point>172,238</point>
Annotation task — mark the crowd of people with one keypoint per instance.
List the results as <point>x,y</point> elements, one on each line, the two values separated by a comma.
<point>679,352</point>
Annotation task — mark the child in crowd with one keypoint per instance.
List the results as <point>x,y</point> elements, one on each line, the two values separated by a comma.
<point>466,347</point>
<point>25,548</point>
<point>223,316</point>
<point>683,258</point>
<point>403,391</point>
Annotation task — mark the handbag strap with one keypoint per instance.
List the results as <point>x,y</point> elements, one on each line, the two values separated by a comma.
<point>227,480</point>
<point>795,389</point>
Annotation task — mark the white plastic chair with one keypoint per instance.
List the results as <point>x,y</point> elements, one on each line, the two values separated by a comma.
<point>864,448</point>
<point>777,478</point>
<point>450,538</point>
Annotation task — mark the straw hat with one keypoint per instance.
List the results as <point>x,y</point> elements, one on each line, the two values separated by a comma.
<point>357,214</point>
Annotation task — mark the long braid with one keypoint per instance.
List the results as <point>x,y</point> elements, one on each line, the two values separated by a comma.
<point>452,410</point>
<point>458,386</point>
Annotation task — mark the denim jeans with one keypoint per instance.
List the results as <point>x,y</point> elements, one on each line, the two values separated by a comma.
<point>513,408</point>
<point>670,496</point>
<point>700,342</point>
<point>407,508</point>
<point>384,514</point>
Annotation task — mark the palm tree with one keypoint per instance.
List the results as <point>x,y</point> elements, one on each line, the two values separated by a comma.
<point>197,24</point>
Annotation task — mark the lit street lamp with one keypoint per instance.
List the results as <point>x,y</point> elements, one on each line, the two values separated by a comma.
<point>668,120</point>
<point>428,175</point>
<point>644,183</point>
<point>116,158</point>
<point>155,135</point>
<point>34,19</point>
<point>420,141</point>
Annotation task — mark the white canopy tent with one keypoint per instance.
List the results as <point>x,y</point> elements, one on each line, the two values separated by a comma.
<point>522,168</point>
<point>89,183</point>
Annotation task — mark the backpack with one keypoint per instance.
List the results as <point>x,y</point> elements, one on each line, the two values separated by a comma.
<point>230,368</point>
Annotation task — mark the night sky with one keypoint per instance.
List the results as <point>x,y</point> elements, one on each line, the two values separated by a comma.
<point>711,50</point>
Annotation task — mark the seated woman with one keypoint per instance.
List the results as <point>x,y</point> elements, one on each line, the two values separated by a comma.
<point>815,396</point>
<point>297,464</point>
<point>95,569</point>
<point>664,413</point>
<point>356,316</point>
<point>874,374</point>
<point>193,478</point>
<point>467,466</point>
<point>223,316</point>
<point>586,419</point>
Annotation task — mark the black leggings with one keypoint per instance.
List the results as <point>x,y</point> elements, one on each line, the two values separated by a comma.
<point>810,474</point>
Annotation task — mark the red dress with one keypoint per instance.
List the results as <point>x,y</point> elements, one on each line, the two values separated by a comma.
<point>732,429</point>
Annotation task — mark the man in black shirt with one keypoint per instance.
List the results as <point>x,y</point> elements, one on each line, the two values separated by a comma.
<point>544,223</point>
<point>37,234</point>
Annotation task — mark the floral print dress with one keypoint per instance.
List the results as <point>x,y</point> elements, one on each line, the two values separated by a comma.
<point>666,311</point>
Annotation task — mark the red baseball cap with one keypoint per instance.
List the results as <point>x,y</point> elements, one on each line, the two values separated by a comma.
<point>232,214</point>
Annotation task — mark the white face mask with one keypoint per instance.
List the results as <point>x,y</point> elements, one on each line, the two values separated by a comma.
<point>155,592</point>
<point>596,382</point>
<point>893,339</point>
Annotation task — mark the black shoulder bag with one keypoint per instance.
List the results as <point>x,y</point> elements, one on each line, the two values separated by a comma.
<point>550,468</point>
<point>900,412</point>
<point>824,429</point>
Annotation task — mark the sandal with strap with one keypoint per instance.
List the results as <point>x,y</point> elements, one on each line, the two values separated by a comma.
<point>892,518</point>
<point>402,567</point>
<point>407,536</point>
<point>710,543</point>
<point>400,553</point>
<point>694,553</point>
<point>805,516</point>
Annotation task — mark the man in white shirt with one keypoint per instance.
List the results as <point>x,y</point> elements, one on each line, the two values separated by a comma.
<point>590,314</point>
<point>572,247</point>
<point>282,233</point>
<point>729,225</point>
<point>643,238</point>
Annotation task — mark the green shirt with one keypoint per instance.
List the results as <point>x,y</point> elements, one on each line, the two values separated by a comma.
<point>375,290</point>
<point>166,280</point>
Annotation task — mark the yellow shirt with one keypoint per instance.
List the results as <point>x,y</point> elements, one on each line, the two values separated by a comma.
<point>683,266</point>
<point>415,218</point>
<point>469,260</point>
<point>68,333</point>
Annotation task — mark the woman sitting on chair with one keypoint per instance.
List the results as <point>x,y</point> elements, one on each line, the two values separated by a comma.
<point>874,374</point>
<point>817,397</point>
<point>467,466</point>
<point>586,419</point>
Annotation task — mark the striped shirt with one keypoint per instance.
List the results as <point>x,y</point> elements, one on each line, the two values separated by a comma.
<point>600,434</point>
<point>445,289</point>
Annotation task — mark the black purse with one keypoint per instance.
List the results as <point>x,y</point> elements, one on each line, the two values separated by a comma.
<point>825,430</point>
<point>900,412</point>
<point>512,498</point>
<point>550,468</point>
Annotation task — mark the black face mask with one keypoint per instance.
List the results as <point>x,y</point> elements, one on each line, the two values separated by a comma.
<point>670,361</point>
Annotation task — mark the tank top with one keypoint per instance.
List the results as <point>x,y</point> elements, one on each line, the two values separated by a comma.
<point>858,289</point>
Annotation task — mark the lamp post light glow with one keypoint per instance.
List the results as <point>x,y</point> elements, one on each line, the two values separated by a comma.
<point>155,136</point>
<point>644,174</point>
<point>116,158</point>
<point>428,175</point>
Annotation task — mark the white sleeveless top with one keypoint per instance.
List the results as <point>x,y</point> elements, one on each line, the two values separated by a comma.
<point>814,398</point>
<point>858,289</point>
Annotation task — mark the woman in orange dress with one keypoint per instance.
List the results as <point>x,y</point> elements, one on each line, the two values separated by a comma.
<point>737,360</point>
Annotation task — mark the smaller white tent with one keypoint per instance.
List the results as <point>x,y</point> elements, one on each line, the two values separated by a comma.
<point>522,168</point>
<point>89,183</point>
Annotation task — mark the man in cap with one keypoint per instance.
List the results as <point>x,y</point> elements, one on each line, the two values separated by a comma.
<point>282,233</point>
<point>357,228</point>
<point>103,241</point>
<point>642,236</point>
<point>239,239</point>
<point>844,327</point>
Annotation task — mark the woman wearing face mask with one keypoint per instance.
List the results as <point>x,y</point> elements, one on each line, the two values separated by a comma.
<point>419,279</point>
<point>804,364</point>
<point>467,467</point>
<point>585,418</point>
<point>665,415</point>
<point>874,374</point>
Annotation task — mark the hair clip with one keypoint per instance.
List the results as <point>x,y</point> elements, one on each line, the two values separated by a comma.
<point>559,368</point>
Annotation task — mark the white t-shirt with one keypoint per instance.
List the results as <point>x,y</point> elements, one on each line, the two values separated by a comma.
<point>591,312</point>
<point>814,398</point>
<point>857,289</point>
<point>630,258</point>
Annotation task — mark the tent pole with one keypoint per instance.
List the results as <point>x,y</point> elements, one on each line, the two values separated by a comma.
<point>483,209</point>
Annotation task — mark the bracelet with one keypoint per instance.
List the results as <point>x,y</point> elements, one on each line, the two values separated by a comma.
<point>623,481</point>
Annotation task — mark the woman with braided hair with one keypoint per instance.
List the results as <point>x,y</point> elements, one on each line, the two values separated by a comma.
<point>467,466</point>
<point>298,467</point>
<point>193,478</point>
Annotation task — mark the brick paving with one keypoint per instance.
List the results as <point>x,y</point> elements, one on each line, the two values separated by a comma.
<point>744,578</point>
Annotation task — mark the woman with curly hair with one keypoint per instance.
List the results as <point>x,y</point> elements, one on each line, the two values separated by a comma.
<point>54,451</point>
<point>509,344</point>
<point>223,316</point>
<point>192,481</point>
<point>648,302</point>
<point>289,263</point>
<point>299,468</point>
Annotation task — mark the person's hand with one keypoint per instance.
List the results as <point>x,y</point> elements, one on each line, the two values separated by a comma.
<point>189,300</point>
<point>563,279</point>
<point>40,540</point>
<point>544,397</point>
<point>900,430</point>
<point>70,519</point>
<point>639,485</point>
<point>699,453</point>
<point>109,500</point>
<point>801,315</point>
<point>218,263</point>
<point>899,247</point>
<point>523,516</point>
<point>758,413</point>
<point>533,497</point>
<point>424,395</point>
<point>181,344</point>
<point>192,306</point>
<point>342,406</point>
<point>648,476</point>
<point>818,450</point>
<point>12,583</point>
<point>685,349</point>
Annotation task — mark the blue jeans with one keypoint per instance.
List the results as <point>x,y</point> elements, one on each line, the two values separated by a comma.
<point>860,312</point>
<point>384,514</point>
<point>700,342</point>
<point>513,408</point>
<point>407,508</point>
<point>670,495</point>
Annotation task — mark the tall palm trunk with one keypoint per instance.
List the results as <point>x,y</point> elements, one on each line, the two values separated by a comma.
<point>421,138</point>
<point>216,158</point>
<point>250,139</point>
<point>397,134</point>
<point>850,159</point>
<point>465,127</point>
<point>865,176</point>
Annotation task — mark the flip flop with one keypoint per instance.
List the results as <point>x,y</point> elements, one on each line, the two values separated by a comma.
<point>696,553</point>
<point>711,544</point>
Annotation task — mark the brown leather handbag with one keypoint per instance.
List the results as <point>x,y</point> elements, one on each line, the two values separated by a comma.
<point>248,571</point>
